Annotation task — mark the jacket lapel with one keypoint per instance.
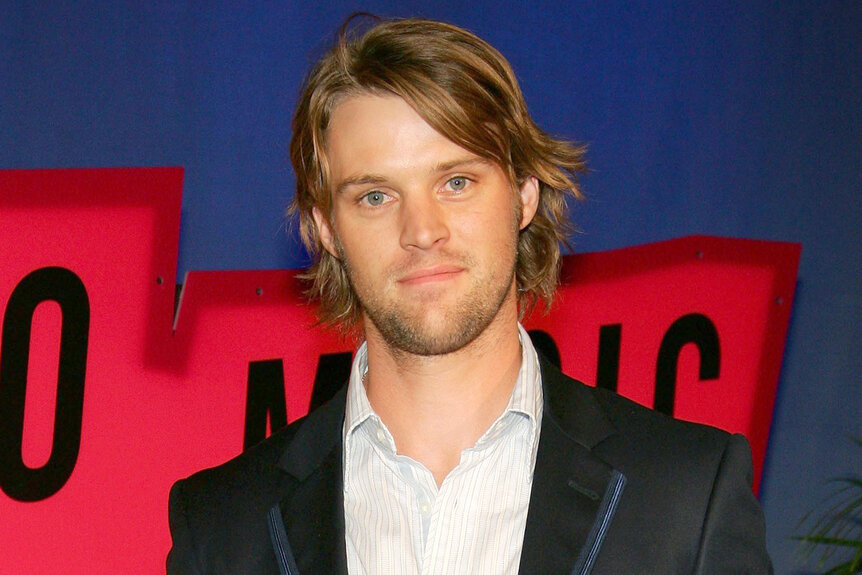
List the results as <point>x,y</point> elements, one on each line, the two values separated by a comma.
<point>574,493</point>
<point>573,499</point>
<point>313,511</point>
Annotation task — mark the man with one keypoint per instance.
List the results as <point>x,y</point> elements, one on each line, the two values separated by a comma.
<point>435,208</point>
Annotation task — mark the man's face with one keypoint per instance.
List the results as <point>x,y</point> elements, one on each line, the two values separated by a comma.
<point>426,230</point>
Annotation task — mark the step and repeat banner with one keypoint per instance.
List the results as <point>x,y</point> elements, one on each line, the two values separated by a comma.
<point>113,385</point>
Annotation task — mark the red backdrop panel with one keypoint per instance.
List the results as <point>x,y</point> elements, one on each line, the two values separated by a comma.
<point>106,399</point>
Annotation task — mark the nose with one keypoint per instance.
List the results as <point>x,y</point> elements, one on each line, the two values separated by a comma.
<point>423,223</point>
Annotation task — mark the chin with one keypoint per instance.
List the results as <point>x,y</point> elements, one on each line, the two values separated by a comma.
<point>433,333</point>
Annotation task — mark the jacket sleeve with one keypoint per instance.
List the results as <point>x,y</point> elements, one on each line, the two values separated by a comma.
<point>181,558</point>
<point>733,538</point>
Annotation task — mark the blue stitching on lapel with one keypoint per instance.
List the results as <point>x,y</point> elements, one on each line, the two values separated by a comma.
<point>286,563</point>
<point>605,513</point>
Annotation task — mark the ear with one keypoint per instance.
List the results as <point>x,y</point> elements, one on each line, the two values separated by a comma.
<point>529,193</point>
<point>324,230</point>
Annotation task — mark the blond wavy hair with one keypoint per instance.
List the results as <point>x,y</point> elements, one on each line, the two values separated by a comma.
<point>466,90</point>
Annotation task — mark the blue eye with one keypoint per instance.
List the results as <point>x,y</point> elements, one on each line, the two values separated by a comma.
<point>375,198</point>
<point>457,184</point>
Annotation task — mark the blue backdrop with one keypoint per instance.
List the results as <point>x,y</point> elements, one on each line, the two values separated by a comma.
<point>734,119</point>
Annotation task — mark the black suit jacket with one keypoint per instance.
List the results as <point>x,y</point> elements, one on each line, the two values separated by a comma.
<point>618,488</point>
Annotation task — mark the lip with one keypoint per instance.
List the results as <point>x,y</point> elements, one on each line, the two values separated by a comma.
<point>431,274</point>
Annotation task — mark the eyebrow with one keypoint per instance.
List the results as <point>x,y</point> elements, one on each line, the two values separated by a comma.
<point>366,179</point>
<point>358,181</point>
<point>461,163</point>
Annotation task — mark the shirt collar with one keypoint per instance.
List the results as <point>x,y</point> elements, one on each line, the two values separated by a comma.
<point>358,407</point>
<point>526,398</point>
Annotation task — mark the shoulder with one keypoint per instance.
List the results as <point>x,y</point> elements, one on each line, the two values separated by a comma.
<point>656,449</point>
<point>259,476</point>
<point>218,516</point>
<point>230,497</point>
<point>250,467</point>
<point>639,441</point>
<point>687,503</point>
<point>645,425</point>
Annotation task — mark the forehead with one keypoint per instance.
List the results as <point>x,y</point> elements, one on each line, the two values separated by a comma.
<point>383,133</point>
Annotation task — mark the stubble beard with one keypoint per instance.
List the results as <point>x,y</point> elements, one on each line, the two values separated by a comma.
<point>407,330</point>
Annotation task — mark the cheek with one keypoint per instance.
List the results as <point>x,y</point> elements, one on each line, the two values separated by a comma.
<point>497,223</point>
<point>362,247</point>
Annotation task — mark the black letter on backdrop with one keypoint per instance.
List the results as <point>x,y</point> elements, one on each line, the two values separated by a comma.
<point>546,345</point>
<point>62,286</point>
<point>266,392</point>
<point>692,328</point>
<point>265,395</point>
<point>608,369</point>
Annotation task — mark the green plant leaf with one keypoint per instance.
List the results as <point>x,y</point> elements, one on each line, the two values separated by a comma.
<point>838,527</point>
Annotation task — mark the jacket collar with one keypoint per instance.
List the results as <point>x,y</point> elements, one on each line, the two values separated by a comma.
<point>317,436</point>
<point>573,407</point>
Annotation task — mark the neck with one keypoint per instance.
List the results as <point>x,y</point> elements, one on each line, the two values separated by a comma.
<point>437,406</point>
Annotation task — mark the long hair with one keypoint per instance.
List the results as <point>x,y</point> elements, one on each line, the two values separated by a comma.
<point>466,90</point>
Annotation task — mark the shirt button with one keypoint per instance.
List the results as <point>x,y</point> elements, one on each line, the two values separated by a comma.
<point>381,435</point>
<point>424,508</point>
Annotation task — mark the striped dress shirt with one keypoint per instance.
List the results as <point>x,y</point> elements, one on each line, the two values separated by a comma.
<point>399,522</point>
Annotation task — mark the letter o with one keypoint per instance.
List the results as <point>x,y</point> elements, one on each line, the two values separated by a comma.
<point>64,287</point>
